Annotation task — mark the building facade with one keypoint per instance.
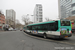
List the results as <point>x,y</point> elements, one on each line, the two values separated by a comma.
<point>73,7</point>
<point>10,17</point>
<point>2,20</point>
<point>65,8</point>
<point>38,14</point>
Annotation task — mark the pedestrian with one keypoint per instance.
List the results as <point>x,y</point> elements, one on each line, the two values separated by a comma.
<point>4,28</point>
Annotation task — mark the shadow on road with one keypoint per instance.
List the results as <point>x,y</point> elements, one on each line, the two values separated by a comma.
<point>61,39</point>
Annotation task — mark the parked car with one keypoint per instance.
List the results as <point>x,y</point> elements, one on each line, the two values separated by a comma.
<point>73,30</point>
<point>14,29</point>
<point>20,29</point>
<point>10,29</point>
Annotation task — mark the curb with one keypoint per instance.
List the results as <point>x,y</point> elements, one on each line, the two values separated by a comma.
<point>50,40</point>
<point>2,31</point>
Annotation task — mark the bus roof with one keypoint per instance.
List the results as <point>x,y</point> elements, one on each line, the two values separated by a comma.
<point>41,23</point>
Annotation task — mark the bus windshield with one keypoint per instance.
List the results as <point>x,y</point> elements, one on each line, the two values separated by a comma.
<point>65,23</point>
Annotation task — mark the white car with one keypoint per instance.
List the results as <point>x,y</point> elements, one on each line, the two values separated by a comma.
<point>10,29</point>
<point>14,29</point>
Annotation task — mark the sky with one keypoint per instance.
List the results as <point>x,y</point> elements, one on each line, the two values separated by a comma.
<point>24,7</point>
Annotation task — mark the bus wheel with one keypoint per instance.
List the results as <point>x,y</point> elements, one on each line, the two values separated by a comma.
<point>45,36</point>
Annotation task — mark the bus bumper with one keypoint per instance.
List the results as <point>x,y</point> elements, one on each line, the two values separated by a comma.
<point>64,36</point>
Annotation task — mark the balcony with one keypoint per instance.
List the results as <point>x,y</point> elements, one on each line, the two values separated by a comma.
<point>73,5</point>
<point>73,12</point>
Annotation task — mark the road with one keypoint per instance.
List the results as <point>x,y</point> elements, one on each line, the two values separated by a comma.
<point>18,40</point>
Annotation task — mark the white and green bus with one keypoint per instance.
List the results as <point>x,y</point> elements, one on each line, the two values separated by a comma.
<point>54,29</point>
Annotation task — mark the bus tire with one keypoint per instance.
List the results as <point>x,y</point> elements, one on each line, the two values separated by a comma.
<point>44,35</point>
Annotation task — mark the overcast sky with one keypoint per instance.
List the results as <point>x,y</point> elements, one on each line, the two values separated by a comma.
<point>23,7</point>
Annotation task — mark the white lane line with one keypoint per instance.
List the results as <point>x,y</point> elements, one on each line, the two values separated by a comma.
<point>49,40</point>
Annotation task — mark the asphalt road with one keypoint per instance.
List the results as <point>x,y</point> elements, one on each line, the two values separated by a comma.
<point>18,40</point>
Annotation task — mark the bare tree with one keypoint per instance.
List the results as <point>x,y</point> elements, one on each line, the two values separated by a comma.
<point>18,24</point>
<point>25,19</point>
<point>17,21</point>
<point>47,19</point>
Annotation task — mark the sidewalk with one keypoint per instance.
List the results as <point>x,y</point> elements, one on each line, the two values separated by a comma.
<point>1,31</point>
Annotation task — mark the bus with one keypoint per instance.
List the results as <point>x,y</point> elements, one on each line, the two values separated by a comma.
<point>54,29</point>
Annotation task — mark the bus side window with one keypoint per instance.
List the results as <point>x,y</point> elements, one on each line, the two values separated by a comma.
<point>49,27</point>
<point>44,27</point>
<point>52,27</point>
<point>32,27</point>
<point>41,27</point>
<point>38,27</point>
<point>56,25</point>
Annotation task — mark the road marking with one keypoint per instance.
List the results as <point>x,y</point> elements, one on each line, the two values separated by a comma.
<point>49,39</point>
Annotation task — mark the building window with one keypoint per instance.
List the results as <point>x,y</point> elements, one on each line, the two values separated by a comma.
<point>67,0</point>
<point>73,12</point>
<point>37,19</point>
<point>73,4</point>
<point>40,9</point>
<point>40,12</point>
<point>40,19</point>
<point>40,15</point>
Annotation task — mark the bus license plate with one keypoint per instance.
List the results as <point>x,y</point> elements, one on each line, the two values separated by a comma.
<point>66,36</point>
